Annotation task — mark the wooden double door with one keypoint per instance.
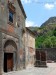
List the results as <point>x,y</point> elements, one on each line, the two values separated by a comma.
<point>8,62</point>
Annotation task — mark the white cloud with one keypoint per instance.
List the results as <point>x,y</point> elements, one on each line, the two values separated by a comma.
<point>29,1</point>
<point>30,24</point>
<point>26,1</point>
<point>49,6</point>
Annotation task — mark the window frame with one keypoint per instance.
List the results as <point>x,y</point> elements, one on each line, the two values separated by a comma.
<point>13,10</point>
<point>11,13</point>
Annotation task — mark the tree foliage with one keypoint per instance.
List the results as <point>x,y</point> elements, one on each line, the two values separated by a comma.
<point>39,41</point>
<point>54,32</point>
<point>47,40</point>
<point>46,34</point>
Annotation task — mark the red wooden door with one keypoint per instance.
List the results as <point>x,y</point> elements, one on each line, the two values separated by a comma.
<point>9,62</point>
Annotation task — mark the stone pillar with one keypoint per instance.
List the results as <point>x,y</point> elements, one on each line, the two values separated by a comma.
<point>1,65</point>
<point>14,61</point>
<point>17,55</point>
<point>1,55</point>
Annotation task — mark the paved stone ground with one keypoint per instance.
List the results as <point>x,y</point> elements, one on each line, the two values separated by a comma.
<point>50,70</point>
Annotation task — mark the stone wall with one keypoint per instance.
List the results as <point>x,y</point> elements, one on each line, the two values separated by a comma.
<point>29,48</point>
<point>1,54</point>
<point>15,30</point>
<point>40,58</point>
<point>51,54</point>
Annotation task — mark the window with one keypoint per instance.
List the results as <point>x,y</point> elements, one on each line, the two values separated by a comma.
<point>11,12</point>
<point>11,16</point>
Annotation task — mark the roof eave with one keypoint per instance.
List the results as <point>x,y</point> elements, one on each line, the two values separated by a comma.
<point>21,6</point>
<point>34,34</point>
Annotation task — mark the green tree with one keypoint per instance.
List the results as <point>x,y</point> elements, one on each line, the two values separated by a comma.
<point>54,32</point>
<point>53,40</point>
<point>38,41</point>
<point>47,43</point>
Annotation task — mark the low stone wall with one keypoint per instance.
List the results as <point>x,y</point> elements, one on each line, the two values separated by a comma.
<point>40,58</point>
<point>50,54</point>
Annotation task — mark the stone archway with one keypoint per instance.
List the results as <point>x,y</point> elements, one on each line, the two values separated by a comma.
<point>10,59</point>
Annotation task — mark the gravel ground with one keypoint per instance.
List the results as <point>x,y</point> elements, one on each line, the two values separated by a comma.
<point>50,70</point>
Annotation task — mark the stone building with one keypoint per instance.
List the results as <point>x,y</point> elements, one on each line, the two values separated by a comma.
<point>29,48</point>
<point>12,28</point>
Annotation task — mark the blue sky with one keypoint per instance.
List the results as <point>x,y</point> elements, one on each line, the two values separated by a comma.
<point>38,11</point>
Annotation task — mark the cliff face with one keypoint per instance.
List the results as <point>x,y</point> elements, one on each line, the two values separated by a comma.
<point>47,26</point>
<point>46,34</point>
<point>51,20</point>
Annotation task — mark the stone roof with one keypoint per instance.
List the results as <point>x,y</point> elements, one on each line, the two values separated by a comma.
<point>33,33</point>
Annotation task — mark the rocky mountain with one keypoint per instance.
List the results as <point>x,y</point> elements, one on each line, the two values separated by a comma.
<point>46,34</point>
<point>50,21</point>
<point>46,27</point>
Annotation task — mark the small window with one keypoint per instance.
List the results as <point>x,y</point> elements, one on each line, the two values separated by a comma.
<point>11,16</point>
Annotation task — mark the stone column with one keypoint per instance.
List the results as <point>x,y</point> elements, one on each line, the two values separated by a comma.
<point>14,61</point>
<point>1,55</point>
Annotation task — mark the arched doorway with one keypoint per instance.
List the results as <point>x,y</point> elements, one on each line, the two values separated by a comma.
<point>10,49</point>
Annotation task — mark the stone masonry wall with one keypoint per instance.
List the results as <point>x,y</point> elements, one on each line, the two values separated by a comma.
<point>51,53</point>
<point>1,54</point>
